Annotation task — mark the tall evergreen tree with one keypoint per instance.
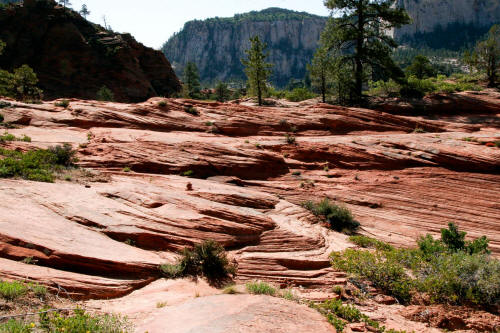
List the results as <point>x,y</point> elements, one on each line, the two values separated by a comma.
<point>84,11</point>
<point>192,86</point>
<point>359,35</point>
<point>486,56</point>
<point>256,68</point>
<point>222,92</point>
<point>320,71</point>
<point>64,3</point>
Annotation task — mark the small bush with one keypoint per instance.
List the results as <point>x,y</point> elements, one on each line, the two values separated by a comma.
<point>230,290</point>
<point>290,139</point>
<point>38,165</point>
<point>207,259</point>
<point>82,322</point>
<point>188,173</point>
<point>62,103</point>
<point>38,290</point>
<point>7,137</point>
<point>12,290</point>
<point>368,242</point>
<point>15,326</point>
<point>340,218</point>
<point>299,94</point>
<point>261,288</point>
<point>191,110</point>
<point>162,104</point>
<point>64,155</point>
<point>105,94</point>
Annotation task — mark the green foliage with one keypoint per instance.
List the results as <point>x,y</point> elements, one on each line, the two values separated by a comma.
<point>64,103</point>
<point>188,173</point>
<point>290,139</point>
<point>260,288</point>
<point>162,104</point>
<point>486,55</point>
<point>299,94</point>
<point>12,290</point>
<point>384,88</point>
<point>421,68</point>
<point>368,242</point>
<point>15,326</point>
<point>372,46</point>
<point>222,92</point>
<point>320,71</point>
<point>105,94</point>
<point>340,218</point>
<point>192,88</point>
<point>450,270</point>
<point>208,259</point>
<point>37,165</point>
<point>82,322</point>
<point>191,110</point>
<point>24,83</point>
<point>256,68</point>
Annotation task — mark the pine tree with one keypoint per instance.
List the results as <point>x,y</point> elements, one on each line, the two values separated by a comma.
<point>222,92</point>
<point>64,3</point>
<point>320,71</point>
<point>487,55</point>
<point>84,11</point>
<point>421,67</point>
<point>359,36</point>
<point>256,68</point>
<point>191,81</point>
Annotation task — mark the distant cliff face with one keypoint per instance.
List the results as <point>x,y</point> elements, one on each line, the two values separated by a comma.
<point>447,23</point>
<point>217,45</point>
<point>75,58</point>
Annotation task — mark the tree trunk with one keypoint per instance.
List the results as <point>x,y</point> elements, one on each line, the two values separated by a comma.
<point>259,94</point>
<point>359,53</point>
<point>323,88</point>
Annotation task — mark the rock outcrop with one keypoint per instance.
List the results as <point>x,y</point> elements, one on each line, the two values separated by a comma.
<point>218,45</point>
<point>75,58</point>
<point>102,232</point>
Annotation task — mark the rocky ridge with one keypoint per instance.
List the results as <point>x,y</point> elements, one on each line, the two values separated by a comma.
<point>75,58</point>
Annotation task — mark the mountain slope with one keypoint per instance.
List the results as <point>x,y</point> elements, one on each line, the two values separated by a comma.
<point>217,45</point>
<point>75,58</point>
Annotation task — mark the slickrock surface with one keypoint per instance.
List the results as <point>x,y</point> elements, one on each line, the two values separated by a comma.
<point>104,233</point>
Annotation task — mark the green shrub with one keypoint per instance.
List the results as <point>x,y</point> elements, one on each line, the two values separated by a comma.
<point>38,165</point>
<point>64,103</point>
<point>15,326</point>
<point>340,218</point>
<point>450,270</point>
<point>64,155</point>
<point>7,137</point>
<point>82,322</point>
<point>368,242</point>
<point>384,88</point>
<point>385,272</point>
<point>417,88</point>
<point>12,290</point>
<point>191,110</point>
<point>188,173</point>
<point>162,104</point>
<point>260,288</point>
<point>207,259</point>
<point>105,94</point>
<point>300,94</point>
<point>24,84</point>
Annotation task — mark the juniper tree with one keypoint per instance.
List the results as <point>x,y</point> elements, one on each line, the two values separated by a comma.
<point>256,68</point>
<point>359,34</point>
<point>192,86</point>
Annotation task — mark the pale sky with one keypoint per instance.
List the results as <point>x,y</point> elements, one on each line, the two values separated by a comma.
<point>152,22</point>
